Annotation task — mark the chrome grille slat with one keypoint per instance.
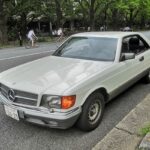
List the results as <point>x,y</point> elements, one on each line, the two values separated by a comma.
<point>25,94</point>
<point>24,101</point>
<point>2,89</point>
<point>21,97</point>
<point>5,94</point>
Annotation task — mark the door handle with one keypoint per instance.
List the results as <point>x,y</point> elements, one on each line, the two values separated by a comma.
<point>141,58</point>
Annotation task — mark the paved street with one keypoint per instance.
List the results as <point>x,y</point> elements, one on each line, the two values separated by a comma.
<point>12,57</point>
<point>23,136</point>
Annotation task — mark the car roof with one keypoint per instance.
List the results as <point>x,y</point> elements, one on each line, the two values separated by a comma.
<point>106,34</point>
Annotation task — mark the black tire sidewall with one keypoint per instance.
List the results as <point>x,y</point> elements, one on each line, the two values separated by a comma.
<point>83,122</point>
<point>146,79</point>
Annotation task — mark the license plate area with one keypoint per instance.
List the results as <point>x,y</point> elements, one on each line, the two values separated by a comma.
<point>11,112</point>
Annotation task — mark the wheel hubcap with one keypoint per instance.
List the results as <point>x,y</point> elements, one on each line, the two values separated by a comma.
<point>94,112</point>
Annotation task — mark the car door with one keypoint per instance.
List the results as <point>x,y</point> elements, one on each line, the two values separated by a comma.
<point>127,72</point>
<point>138,46</point>
<point>143,55</point>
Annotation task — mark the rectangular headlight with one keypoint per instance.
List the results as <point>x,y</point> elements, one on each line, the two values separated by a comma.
<point>58,102</point>
<point>51,101</point>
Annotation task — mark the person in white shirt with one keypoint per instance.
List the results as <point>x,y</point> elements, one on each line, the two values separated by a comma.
<point>60,32</point>
<point>31,36</point>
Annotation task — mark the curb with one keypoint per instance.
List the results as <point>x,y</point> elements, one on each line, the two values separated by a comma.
<point>125,135</point>
<point>145,144</point>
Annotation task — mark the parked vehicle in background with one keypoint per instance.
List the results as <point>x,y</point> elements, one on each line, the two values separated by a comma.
<point>127,29</point>
<point>73,85</point>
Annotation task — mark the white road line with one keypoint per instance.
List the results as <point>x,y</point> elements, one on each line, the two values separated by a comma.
<point>26,55</point>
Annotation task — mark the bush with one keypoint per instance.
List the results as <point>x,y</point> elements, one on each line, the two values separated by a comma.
<point>145,130</point>
<point>42,39</point>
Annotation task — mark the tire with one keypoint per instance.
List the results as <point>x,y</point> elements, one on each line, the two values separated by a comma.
<point>37,44</point>
<point>146,79</point>
<point>27,45</point>
<point>92,112</point>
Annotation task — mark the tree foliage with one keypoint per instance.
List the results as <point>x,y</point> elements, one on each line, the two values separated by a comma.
<point>93,13</point>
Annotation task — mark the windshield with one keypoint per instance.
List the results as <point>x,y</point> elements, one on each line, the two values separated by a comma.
<point>91,48</point>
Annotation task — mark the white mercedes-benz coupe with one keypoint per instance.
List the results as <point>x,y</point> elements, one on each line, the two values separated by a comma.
<point>73,85</point>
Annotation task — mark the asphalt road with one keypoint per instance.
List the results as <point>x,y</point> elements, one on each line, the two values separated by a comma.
<point>24,136</point>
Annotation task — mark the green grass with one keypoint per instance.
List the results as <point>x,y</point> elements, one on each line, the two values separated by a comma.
<point>145,130</point>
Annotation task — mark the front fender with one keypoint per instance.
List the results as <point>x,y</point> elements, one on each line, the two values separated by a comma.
<point>89,92</point>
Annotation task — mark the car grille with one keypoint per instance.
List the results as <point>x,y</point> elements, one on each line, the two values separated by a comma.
<point>19,96</point>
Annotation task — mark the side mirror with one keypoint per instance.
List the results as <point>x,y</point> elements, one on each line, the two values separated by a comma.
<point>127,56</point>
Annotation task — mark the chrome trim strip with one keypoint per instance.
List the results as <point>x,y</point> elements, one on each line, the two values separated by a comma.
<point>2,89</point>
<point>21,97</point>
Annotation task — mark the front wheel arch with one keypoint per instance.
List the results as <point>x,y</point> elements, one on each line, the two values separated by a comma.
<point>101,90</point>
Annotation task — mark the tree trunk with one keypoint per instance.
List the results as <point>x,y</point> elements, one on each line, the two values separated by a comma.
<point>115,19</point>
<point>72,25</point>
<point>50,28</point>
<point>92,15</point>
<point>58,13</point>
<point>3,24</point>
<point>133,15</point>
<point>131,18</point>
<point>142,21</point>
<point>3,30</point>
<point>39,26</point>
<point>23,24</point>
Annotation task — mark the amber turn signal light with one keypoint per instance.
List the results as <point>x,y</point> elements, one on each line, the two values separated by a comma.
<point>67,101</point>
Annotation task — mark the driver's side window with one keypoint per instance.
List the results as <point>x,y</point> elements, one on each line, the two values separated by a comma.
<point>134,44</point>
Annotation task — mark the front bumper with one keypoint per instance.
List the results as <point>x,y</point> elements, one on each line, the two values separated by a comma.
<point>62,120</point>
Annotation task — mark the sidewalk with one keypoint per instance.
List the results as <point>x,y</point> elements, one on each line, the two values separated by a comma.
<point>125,135</point>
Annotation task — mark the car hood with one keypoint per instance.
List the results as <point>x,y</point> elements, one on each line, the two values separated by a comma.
<point>51,75</point>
